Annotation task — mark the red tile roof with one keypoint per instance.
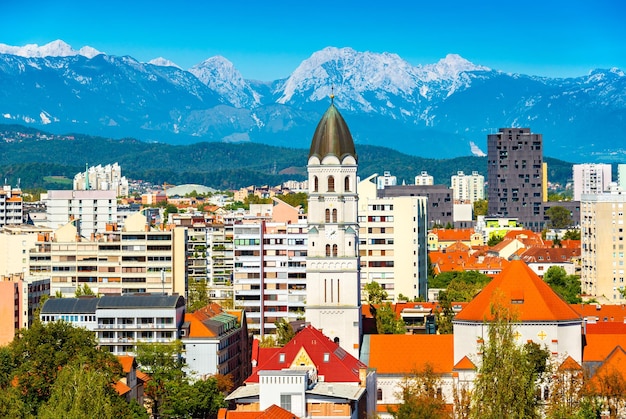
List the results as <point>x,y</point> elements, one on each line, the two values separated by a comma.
<point>550,254</point>
<point>602,313</point>
<point>453,235</point>
<point>121,388</point>
<point>524,292</point>
<point>610,328</point>
<point>341,367</point>
<point>272,412</point>
<point>403,354</point>
<point>570,365</point>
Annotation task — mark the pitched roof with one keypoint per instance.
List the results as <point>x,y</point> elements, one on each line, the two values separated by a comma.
<point>127,362</point>
<point>570,365</point>
<point>121,388</point>
<point>615,363</point>
<point>210,321</point>
<point>465,364</point>
<point>272,412</point>
<point>310,347</point>
<point>403,354</point>
<point>453,234</point>
<point>600,346</point>
<point>602,313</point>
<point>524,292</point>
<point>549,254</point>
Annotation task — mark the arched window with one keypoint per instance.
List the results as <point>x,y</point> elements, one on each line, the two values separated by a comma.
<point>327,217</point>
<point>316,184</point>
<point>331,184</point>
<point>334,215</point>
<point>334,250</point>
<point>346,184</point>
<point>328,250</point>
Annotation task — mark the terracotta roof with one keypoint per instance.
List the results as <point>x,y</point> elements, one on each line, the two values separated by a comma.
<point>201,322</point>
<point>403,354</point>
<point>570,365</point>
<point>524,292</point>
<point>143,376</point>
<point>448,261</point>
<point>550,255</point>
<point>465,364</point>
<point>614,363</point>
<point>610,328</point>
<point>453,235</point>
<point>127,362</point>
<point>528,237</point>
<point>310,345</point>
<point>121,388</point>
<point>272,412</point>
<point>458,247</point>
<point>600,346</point>
<point>602,313</point>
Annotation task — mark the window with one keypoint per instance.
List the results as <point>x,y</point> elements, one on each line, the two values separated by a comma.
<point>331,184</point>
<point>285,401</point>
<point>334,250</point>
<point>315,184</point>
<point>328,250</point>
<point>346,184</point>
<point>334,215</point>
<point>379,394</point>
<point>327,215</point>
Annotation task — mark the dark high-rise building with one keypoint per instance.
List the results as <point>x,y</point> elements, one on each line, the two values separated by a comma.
<point>515,176</point>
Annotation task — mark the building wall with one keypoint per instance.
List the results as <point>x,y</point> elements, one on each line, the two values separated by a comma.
<point>468,188</point>
<point>15,243</point>
<point>591,178</point>
<point>11,309</point>
<point>11,206</point>
<point>515,176</point>
<point>139,260</point>
<point>392,242</point>
<point>94,209</point>
<point>603,239</point>
<point>440,209</point>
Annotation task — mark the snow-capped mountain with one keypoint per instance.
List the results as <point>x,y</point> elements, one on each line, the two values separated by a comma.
<point>444,109</point>
<point>56,48</point>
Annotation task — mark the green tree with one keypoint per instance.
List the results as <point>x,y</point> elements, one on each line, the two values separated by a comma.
<point>295,199</point>
<point>202,399</point>
<point>559,217</point>
<point>505,385</point>
<point>83,290</point>
<point>39,353</point>
<point>567,286</point>
<point>481,207</point>
<point>164,363</point>
<point>387,322</point>
<point>83,387</point>
<point>421,396</point>
<point>198,295</point>
<point>571,235</point>
<point>374,293</point>
<point>284,332</point>
<point>494,239</point>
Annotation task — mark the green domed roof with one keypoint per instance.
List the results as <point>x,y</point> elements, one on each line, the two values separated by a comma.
<point>332,136</point>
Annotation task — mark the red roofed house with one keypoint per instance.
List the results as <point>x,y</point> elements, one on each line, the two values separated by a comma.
<point>130,386</point>
<point>441,238</point>
<point>541,259</point>
<point>543,316</point>
<point>309,376</point>
<point>272,412</point>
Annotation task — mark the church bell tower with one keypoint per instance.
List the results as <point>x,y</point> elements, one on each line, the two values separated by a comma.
<point>332,274</point>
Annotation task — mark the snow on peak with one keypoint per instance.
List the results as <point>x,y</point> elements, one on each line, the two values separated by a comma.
<point>453,64</point>
<point>163,62</point>
<point>220,75</point>
<point>56,48</point>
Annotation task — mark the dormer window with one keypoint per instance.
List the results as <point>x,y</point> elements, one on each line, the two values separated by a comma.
<point>326,357</point>
<point>281,358</point>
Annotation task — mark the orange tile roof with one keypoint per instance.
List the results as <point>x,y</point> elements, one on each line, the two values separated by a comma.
<point>533,299</point>
<point>603,313</point>
<point>465,364</point>
<point>403,354</point>
<point>143,376</point>
<point>272,412</point>
<point>570,365</point>
<point>121,388</point>
<point>610,328</point>
<point>551,254</point>
<point>453,235</point>
<point>600,346</point>
<point>614,363</point>
<point>127,362</point>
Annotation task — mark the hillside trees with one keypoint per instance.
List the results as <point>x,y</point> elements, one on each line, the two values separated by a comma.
<point>421,396</point>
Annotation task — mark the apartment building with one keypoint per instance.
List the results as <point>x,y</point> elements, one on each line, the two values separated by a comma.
<point>590,178</point>
<point>468,188</point>
<point>107,178</point>
<point>121,321</point>
<point>11,206</point>
<point>269,277</point>
<point>603,239</point>
<point>386,180</point>
<point>137,258</point>
<point>392,242</point>
<point>424,179</point>
<point>91,209</point>
<point>440,210</point>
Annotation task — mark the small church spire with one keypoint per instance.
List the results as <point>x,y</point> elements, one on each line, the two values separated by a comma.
<point>332,94</point>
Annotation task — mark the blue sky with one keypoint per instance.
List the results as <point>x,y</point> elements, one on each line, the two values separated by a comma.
<point>266,40</point>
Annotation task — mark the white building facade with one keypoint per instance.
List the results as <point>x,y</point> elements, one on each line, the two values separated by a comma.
<point>591,178</point>
<point>468,188</point>
<point>92,209</point>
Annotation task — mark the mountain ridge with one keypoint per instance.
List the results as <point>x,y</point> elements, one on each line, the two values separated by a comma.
<point>445,109</point>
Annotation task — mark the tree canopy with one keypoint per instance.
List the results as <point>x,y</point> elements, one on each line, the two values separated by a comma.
<point>567,286</point>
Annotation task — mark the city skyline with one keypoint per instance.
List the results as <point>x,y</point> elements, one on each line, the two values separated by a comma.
<point>268,41</point>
